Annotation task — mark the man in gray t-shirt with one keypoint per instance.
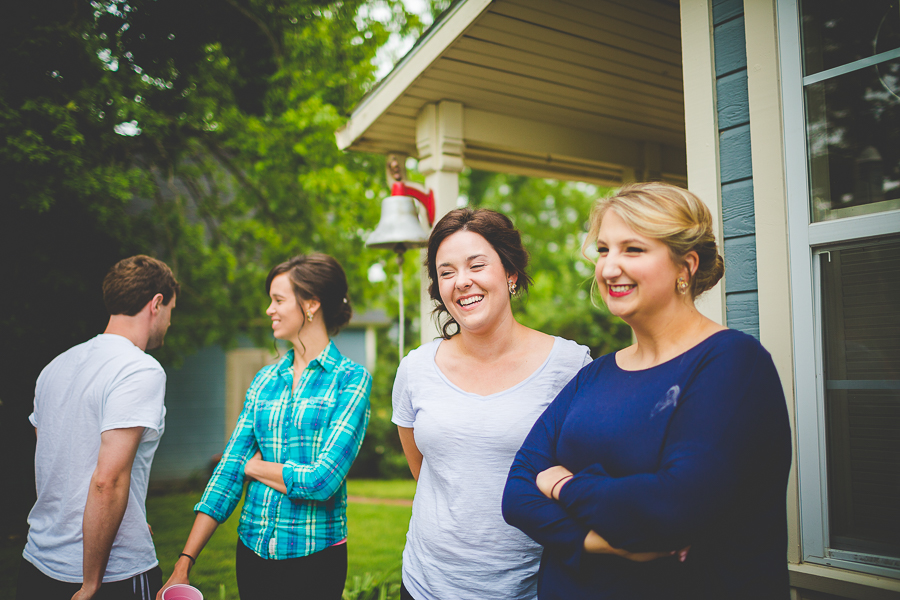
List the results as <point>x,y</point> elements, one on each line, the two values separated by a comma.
<point>98,416</point>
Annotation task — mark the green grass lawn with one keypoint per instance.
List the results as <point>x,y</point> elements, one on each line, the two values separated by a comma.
<point>376,539</point>
<point>395,489</point>
<point>171,517</point>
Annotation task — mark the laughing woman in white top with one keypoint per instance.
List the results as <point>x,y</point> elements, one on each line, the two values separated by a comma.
<point>463,405</point>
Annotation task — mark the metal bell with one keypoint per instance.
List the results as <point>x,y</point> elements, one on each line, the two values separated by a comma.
<point>399,228</point>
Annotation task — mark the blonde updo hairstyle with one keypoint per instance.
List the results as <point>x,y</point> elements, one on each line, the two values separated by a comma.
<point>672,215</point>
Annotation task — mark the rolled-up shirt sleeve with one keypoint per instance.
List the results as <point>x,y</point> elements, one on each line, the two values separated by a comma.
<point>322,478</point>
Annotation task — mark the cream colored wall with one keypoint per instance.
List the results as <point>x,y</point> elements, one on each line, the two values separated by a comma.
<point>810,580</point>
<point>701,131</point>
<point>439,141</point>
<point>770,206</point>
<point>241,365</point>
<point>773,276</point>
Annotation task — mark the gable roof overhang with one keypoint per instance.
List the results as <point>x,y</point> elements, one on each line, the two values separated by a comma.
<point>589,90</point>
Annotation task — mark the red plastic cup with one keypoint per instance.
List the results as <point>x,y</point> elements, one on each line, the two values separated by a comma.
<point>181,591</point>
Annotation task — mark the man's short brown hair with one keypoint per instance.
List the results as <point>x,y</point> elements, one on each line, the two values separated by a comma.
<point>132,282</point>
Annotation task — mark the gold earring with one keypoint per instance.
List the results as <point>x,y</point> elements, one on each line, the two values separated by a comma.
<point>681,285</point>
<point>512,287</point>
<point>309,316</point>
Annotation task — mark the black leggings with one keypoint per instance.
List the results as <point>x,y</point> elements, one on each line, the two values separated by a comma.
<point>319,576</point>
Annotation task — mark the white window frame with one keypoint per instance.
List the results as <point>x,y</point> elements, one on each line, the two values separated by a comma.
<point>807,243</point>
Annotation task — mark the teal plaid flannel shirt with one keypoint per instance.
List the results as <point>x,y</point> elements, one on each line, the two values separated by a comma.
<point>315,433</point>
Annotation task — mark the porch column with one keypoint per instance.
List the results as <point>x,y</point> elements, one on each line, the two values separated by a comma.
<point>701,125</point>
<point>439,140</point>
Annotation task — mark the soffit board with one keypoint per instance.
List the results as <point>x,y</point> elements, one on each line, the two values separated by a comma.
<point>609,67</point>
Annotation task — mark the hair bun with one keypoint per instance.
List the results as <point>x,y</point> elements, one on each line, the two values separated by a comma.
<point>319,276</point>
<point>672,215</point>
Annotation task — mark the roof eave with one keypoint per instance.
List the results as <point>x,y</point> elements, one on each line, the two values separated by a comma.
<point>428,49</point>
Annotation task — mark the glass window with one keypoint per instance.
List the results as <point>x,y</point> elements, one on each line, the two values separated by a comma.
<point>852,108</point>
<point>853,128</point>
<point>860,287</point>
<point>838,32</point>
<point>841,99</point>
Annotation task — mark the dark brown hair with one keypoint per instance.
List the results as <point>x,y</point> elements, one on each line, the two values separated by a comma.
<point>318,276</point>
<point>672,215</point>
<point>132,282</point>
<point>499,232</point>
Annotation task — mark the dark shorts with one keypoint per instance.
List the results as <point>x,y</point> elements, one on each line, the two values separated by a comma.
<point>319,576</point>
<point>33,585</point>
<point>404,593</point>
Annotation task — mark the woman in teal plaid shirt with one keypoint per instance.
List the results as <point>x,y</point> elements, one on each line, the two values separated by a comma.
<point>300,430</point>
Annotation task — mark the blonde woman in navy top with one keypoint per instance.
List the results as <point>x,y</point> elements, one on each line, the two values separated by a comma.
<point>300,430</point>
<point>660,471</point>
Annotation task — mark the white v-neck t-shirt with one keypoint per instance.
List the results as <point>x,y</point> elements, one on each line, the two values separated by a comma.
<point>458,545</point>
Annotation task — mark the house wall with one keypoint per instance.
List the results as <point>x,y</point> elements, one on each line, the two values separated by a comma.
<point>201,410</point>
<point>352,344</point>
<point>701,130</point>
<point>735,166</point>
<point>770,204</point>
<point>195,416</point>
<point>770,197</point>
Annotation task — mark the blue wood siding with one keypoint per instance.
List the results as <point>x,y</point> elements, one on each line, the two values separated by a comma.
<point>726,9</point>
<point>352,344</point>
<point>735,166</point>
<point>740,264</point>
<point>734,154</point>
<point>743,313</point>
<point>737,208</point>
<point>195,416</point>
<point>731,94</point>
<point>195,407</point>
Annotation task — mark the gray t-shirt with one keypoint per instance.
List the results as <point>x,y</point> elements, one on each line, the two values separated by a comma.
<point>105,383</point>
<point>458,545</point>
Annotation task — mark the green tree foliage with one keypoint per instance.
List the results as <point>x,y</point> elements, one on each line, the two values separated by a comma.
<point>201,133</point>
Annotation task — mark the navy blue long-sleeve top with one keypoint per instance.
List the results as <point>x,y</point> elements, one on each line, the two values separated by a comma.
<point>695,451</point>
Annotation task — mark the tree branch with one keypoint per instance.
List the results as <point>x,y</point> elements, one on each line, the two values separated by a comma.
<point>263,27</point>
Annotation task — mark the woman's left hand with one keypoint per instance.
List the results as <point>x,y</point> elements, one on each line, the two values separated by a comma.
<point>548,478</point>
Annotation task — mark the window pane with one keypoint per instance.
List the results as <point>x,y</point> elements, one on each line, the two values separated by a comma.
<point>853,128</point>
<point>861,303</point>
<point>837,32</point>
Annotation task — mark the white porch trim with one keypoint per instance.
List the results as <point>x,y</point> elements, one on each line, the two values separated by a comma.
<point>439,140</point>
<point>435,43</point>
<point>701,128</point>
